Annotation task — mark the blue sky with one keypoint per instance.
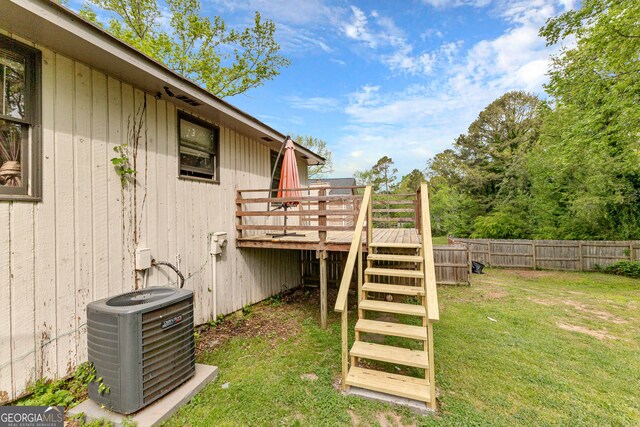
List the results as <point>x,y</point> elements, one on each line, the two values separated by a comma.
<point>401,78</point>
<point>396,78</point>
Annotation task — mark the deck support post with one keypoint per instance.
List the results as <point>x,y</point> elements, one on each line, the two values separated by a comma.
<point>322,255</point>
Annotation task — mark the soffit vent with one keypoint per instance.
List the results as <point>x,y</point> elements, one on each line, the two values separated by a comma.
<point>188,100</point>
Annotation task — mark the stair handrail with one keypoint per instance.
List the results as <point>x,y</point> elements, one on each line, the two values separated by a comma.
<point>427,244</point>
<point>355,252</point>
<point>356,243</point>
<point>431,293</point>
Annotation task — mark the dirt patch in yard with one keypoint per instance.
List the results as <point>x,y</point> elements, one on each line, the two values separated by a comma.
<point>495,294</point>
<point>582,308</point>
<point>601,334</point>
<point>602,315</point>
<point>275,320</point>
<point>355,419</point>
<point>535,274</point>
<point>309,377</point>
<point>391,419</point>
<point>542,302</point>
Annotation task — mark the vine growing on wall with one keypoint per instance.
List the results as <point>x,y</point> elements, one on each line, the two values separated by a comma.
<point>126,166</point>
<point>122,163</point>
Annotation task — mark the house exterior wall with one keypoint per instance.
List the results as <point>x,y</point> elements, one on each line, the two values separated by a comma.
<point>78,244</point>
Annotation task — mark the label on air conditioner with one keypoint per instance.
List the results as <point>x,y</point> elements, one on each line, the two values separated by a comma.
<point>171,322</point>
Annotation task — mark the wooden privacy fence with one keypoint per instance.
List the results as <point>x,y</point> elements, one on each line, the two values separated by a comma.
<point>572,255</point>
<point>452,262</point>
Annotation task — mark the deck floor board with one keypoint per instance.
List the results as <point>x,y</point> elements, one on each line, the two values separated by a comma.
<point>336,240</point>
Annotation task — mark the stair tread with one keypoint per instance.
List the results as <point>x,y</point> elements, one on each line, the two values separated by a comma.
<point>394,245</point>
<point>394,272</point>
<point>395,257</point>
<point>389,328</point>
<point>393,289</point>
<point>394,384</point>
<point>391,354</point>
<point>393,307</point>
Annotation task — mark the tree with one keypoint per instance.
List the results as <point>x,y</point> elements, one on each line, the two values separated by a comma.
<point>450,213</point>
<point>382,176</point>
<point>224,61</point>
<point>490,153</point>
<point>410,182</point>
<point>318,146</point>
<point>587,183</point>
<point>446,165</point>
<point>364,177</point>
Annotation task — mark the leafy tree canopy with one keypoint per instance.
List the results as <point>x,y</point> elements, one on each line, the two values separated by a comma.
<point>223,60</point>
<point>587,164</point>
<point>488,155</point>
<point>318,146</point>
<point>411,182</point>
<point>382,176</point>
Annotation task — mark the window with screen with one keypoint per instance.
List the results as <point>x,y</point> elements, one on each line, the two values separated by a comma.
<point>199,148</point>
<point>19,121</point>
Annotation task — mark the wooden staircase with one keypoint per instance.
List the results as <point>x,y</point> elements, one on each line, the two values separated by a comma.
<point>397,304</point>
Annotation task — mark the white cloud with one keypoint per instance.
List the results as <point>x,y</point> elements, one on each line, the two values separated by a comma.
<point>456,3</point>
<point>413,124</point>
<point>388,42</point>
<point>294,39</point>
<point>295,12</point>
<point>356,28</point>
<point>318,104</point>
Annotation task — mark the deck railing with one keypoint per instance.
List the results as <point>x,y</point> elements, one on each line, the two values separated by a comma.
<point>394,210</point>
<point>258,211</point>
<point>355,253</point>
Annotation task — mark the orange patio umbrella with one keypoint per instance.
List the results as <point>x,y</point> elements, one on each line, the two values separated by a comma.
<point>289,182</point>
<point>289,178</point>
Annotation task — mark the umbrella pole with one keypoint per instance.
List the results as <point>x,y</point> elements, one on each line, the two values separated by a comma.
<point>285,234</point>
<point>285,218</point>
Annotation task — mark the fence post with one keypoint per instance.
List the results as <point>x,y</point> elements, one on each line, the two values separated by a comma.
<point>630,251</point>
<point>533,252</point>
<point>469,265</point>
<point>489,254</point>
<point>580,253</point>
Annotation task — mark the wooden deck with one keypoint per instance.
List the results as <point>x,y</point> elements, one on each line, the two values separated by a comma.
<point>335,241</point>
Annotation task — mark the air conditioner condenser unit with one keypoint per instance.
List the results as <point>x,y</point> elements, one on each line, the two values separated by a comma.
<point>142,346</point>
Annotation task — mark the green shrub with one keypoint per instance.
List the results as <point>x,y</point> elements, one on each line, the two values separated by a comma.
<point>623,268</point>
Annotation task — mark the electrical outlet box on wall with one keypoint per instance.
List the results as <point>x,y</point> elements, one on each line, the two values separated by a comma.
<point>218,242</point>
<point>143,258</point>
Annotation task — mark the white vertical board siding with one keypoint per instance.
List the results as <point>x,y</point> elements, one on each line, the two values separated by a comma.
<point>64,194</point>
<point>6,354</point>
<point>78,244</point>
<point>45,241</point>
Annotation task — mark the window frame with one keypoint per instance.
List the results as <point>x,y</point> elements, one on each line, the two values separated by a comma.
<point>31,148</point>
<point>276,170</point>
<point>183,115</point>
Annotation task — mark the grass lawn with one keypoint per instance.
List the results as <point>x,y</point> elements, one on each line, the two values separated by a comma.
<point>516,348</point>
<point>441,240</point>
